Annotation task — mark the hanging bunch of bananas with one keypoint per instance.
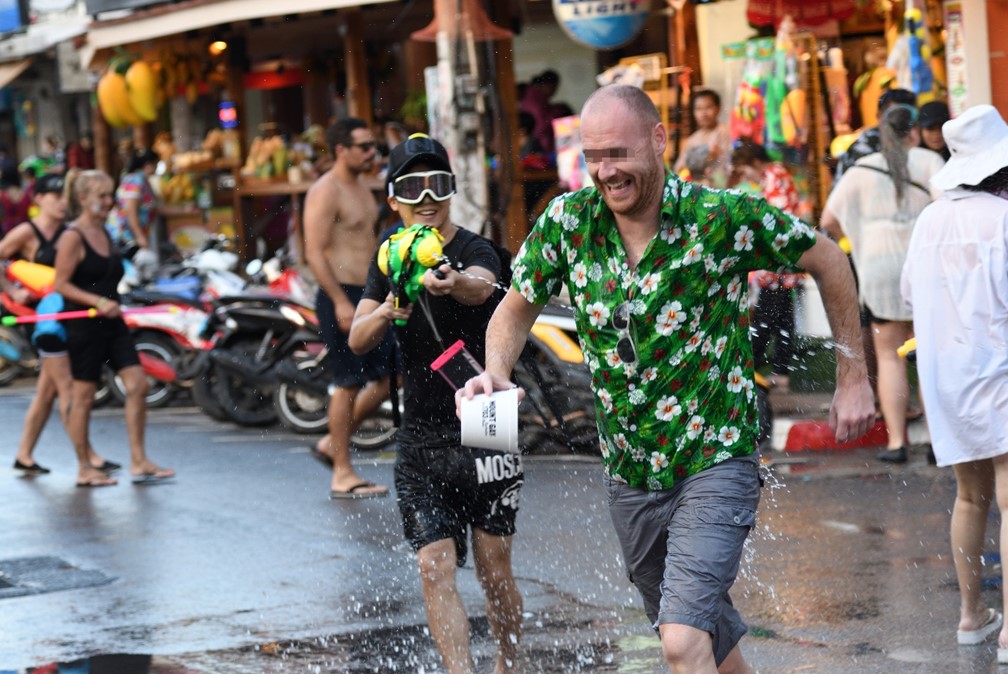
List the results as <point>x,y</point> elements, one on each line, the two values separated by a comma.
<point>127,92</point>
<point>182,76</point>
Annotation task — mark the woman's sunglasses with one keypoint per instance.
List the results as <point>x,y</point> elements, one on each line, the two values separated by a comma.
<point>412,187</point>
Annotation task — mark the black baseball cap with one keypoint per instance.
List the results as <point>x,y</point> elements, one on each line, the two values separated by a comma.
<point>417,149</point>
<point>893,96</point>
<point>933,114</point>
<point>49,183</point>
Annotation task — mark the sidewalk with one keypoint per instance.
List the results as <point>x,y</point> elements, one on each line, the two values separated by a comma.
<point>801,423</point>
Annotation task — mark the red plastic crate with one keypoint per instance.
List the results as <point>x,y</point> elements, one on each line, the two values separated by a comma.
<point>816,435</point>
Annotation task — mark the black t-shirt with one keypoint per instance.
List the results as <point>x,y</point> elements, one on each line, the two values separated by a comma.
<point>429,402</point>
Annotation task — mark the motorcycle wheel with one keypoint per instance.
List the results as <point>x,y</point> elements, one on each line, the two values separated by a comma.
<point>563,394</point>
<point>377,430</point>
<point>103,394</point>
<point>243,403</point>
<point>299,410</point>
<point>159,393</point>
<point>202,392</point>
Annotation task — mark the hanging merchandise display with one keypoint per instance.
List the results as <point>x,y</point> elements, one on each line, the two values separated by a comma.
<point>748,114</point>
<point>785,101</point>
<point>910,57</point>
<point>868,87</point>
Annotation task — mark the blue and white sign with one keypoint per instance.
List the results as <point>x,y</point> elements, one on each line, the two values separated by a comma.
<point>602,24</point>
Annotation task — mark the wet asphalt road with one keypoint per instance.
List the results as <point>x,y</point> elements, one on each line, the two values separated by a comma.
<point>244,565</point>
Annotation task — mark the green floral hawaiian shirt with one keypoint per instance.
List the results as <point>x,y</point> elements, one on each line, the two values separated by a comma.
<point>689,400</point>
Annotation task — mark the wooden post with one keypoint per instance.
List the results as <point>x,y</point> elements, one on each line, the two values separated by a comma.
<point>102,133</point>
<point>358,88</point>
<point>417,55</point>
<point>515,226</point>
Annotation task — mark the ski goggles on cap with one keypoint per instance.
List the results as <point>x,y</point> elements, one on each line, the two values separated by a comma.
<point>413,187</point>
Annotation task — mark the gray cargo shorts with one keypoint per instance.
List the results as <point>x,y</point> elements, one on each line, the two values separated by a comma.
<point>682,546</point>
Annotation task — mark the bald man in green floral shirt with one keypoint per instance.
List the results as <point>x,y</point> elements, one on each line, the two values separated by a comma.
<point>656,269</point>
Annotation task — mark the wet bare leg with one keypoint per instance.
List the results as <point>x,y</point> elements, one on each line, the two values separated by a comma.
<point>893,386</point>
<point>341,418</point>
<point>37,414</point>
<point>78,423</point>
<point>368,400</point>
<point>1001,489</point>
<point>135,381</point>
<point>446,614</point>
<point>57,370</point>
<point>974,494</point>
<point>492,557</point>
<point>734,663</point>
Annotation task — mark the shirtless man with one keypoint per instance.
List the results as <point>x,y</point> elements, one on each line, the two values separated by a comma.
<point>340,241</point>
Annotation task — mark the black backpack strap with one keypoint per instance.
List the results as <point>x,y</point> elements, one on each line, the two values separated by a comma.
<point>913,183</point>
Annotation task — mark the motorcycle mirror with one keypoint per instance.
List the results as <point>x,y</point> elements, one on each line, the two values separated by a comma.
<point>253,267</point>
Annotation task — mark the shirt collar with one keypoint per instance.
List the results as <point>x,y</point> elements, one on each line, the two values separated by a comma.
<point>601,214</point>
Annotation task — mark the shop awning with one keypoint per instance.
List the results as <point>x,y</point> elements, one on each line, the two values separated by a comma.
<point>39,37</point>
<point>804,12</point>
<point>190,15</point>
<point>10,71</point>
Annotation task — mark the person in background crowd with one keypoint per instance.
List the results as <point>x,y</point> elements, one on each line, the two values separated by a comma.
<point>956,280</point>
<point>656,269</point>
<point>707,167</point>
<point>50,160</point>
<point>536,102</point>
<point>870,140</point>
<point>868,143</point>
<point>80,154</point>
<point>773,315</point>
<point>15,199</point>
<point>875,205</point>
<point>131,221</point>
<point>441,491</point>
<point>706,109</point>
<point>340,240</point>
<point>932,116</point>
<point>88,269</point>
<point>35,240</point>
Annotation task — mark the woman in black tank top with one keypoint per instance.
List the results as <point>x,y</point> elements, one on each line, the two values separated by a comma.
<point>88,269</point>
<point>36,241</point>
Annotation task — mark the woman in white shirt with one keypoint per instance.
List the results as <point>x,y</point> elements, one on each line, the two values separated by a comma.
<point>956,280</point>
<point>875,205</point>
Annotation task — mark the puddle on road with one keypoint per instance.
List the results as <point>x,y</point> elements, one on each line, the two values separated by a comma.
<point>550,645</point>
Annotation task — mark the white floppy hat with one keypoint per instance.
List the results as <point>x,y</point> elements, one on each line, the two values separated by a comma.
<point>978,141</point>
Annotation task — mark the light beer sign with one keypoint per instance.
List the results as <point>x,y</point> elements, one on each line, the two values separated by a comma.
<point>602,24</point>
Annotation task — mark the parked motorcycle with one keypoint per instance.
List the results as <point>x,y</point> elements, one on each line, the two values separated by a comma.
<point>251,336</point>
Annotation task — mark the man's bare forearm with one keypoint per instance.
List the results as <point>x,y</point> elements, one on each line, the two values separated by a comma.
<point>507,333</point>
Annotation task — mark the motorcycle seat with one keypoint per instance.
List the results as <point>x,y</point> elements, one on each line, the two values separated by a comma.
<point>151,297</point>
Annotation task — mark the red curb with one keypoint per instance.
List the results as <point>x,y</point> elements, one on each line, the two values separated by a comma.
<point>816,435</point>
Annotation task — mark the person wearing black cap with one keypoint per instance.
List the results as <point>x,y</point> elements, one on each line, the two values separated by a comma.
<point>443,488</point>
<point>339,221</point>
<point>870,140</point>
<point>35,240</point>
<point>932,116</point>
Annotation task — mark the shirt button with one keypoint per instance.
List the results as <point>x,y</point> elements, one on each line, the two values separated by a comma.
<point>737,519</point>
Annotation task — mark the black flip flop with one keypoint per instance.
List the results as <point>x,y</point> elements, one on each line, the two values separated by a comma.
<point>320,456</point>
<point>354,492</point>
